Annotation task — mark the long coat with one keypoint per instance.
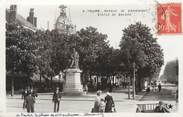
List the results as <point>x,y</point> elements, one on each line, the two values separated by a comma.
<point>57,97</point>
<point>97,104</point>
<point>29,100</point>
<point>109,103</point>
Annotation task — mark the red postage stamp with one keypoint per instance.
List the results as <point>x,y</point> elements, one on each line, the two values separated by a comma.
<point>169,18</point>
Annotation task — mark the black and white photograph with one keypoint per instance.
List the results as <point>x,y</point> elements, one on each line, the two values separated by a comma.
<point>92,59</point>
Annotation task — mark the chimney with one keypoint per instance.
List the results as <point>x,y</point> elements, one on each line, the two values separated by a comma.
<point>31,13</point>
<point>35,21</point>
<point>31,18</point>
<point>12,13</point>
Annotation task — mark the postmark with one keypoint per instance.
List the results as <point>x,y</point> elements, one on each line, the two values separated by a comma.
<point>169,18</point>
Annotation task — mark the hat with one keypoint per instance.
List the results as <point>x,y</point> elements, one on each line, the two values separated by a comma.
<point>108,93</point>
<point>160,102</point>
<point>99,92</point>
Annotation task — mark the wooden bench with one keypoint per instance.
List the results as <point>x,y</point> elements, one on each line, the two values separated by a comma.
<point>149,108</point>
<point>146,108</point>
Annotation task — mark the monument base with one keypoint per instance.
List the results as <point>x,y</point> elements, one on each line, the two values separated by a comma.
<point>73,82</point>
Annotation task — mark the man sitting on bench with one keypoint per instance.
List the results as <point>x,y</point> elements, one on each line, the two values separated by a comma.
<point>161,108</point>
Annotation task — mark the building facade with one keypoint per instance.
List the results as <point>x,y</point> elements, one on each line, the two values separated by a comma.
<point>13,17</point>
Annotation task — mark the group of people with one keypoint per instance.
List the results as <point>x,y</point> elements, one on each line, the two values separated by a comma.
<point>103,104</point>
<point>29,99</point>
<point>100,105</point>
<point>152,85</point>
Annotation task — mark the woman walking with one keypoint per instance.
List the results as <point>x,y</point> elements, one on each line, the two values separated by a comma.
<point>97,102</point>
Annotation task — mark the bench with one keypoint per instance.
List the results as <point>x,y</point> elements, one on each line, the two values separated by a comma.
<point>149,108</point>
<point>146,107</point>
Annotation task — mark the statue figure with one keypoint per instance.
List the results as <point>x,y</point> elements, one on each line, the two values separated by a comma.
<point>75,59</point>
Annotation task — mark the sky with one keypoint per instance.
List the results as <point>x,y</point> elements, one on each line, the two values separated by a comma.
<point>83,16</point>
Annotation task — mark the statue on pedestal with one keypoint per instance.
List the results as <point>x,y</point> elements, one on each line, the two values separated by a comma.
<point>75,59</point>
<point>73,76</point>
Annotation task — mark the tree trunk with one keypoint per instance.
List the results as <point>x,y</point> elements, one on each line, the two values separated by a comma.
<point>40,78</point>
<point>51,82</point>
<point>134,81</point>
<point>129,89</point>
<point>12,86</point>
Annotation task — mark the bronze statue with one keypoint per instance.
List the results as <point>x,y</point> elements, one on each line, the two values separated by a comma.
<point>75,59</point>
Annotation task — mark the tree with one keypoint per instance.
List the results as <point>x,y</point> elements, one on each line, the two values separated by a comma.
<point>20,52</point>
<point>61,46</point>
<point>141,51</point>
<point>93,47</point>
<point>133,56</point>
<point>171,71</point>
<point>43,54</point>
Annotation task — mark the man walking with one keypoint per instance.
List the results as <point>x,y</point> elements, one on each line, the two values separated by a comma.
<point>24,95</point>
<point>56,99</point>
<point>29,103</point>
<point>159,87</point>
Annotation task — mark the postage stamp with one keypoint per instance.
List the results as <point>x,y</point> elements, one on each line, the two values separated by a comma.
<point>169,18</point>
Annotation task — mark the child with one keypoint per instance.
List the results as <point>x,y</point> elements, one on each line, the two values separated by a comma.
<point>102,105</point>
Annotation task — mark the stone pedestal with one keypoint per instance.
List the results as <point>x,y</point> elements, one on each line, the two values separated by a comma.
<point>73,82</point>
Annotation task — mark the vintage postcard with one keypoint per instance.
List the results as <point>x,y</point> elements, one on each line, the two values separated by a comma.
<point>92,60</point>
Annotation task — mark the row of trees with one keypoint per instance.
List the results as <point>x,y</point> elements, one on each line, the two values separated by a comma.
<point>48,52</point>
<point>171,72</point>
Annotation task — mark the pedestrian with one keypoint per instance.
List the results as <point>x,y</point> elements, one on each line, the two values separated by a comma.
<point>95,109</point>
<point>156,85</point>
<point>99,86</point>
<point>24,95</point>
<point>109,103</point>
<point>145,84</point>
<point>29,103</point>
<point>177,95</point>
<point>159,87</point>
<point>161,108</point>
<point>56,99</point>
<point>148,89</point>
<point>123,84</point>
<point>86,88</point>
<point>110,85</point>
